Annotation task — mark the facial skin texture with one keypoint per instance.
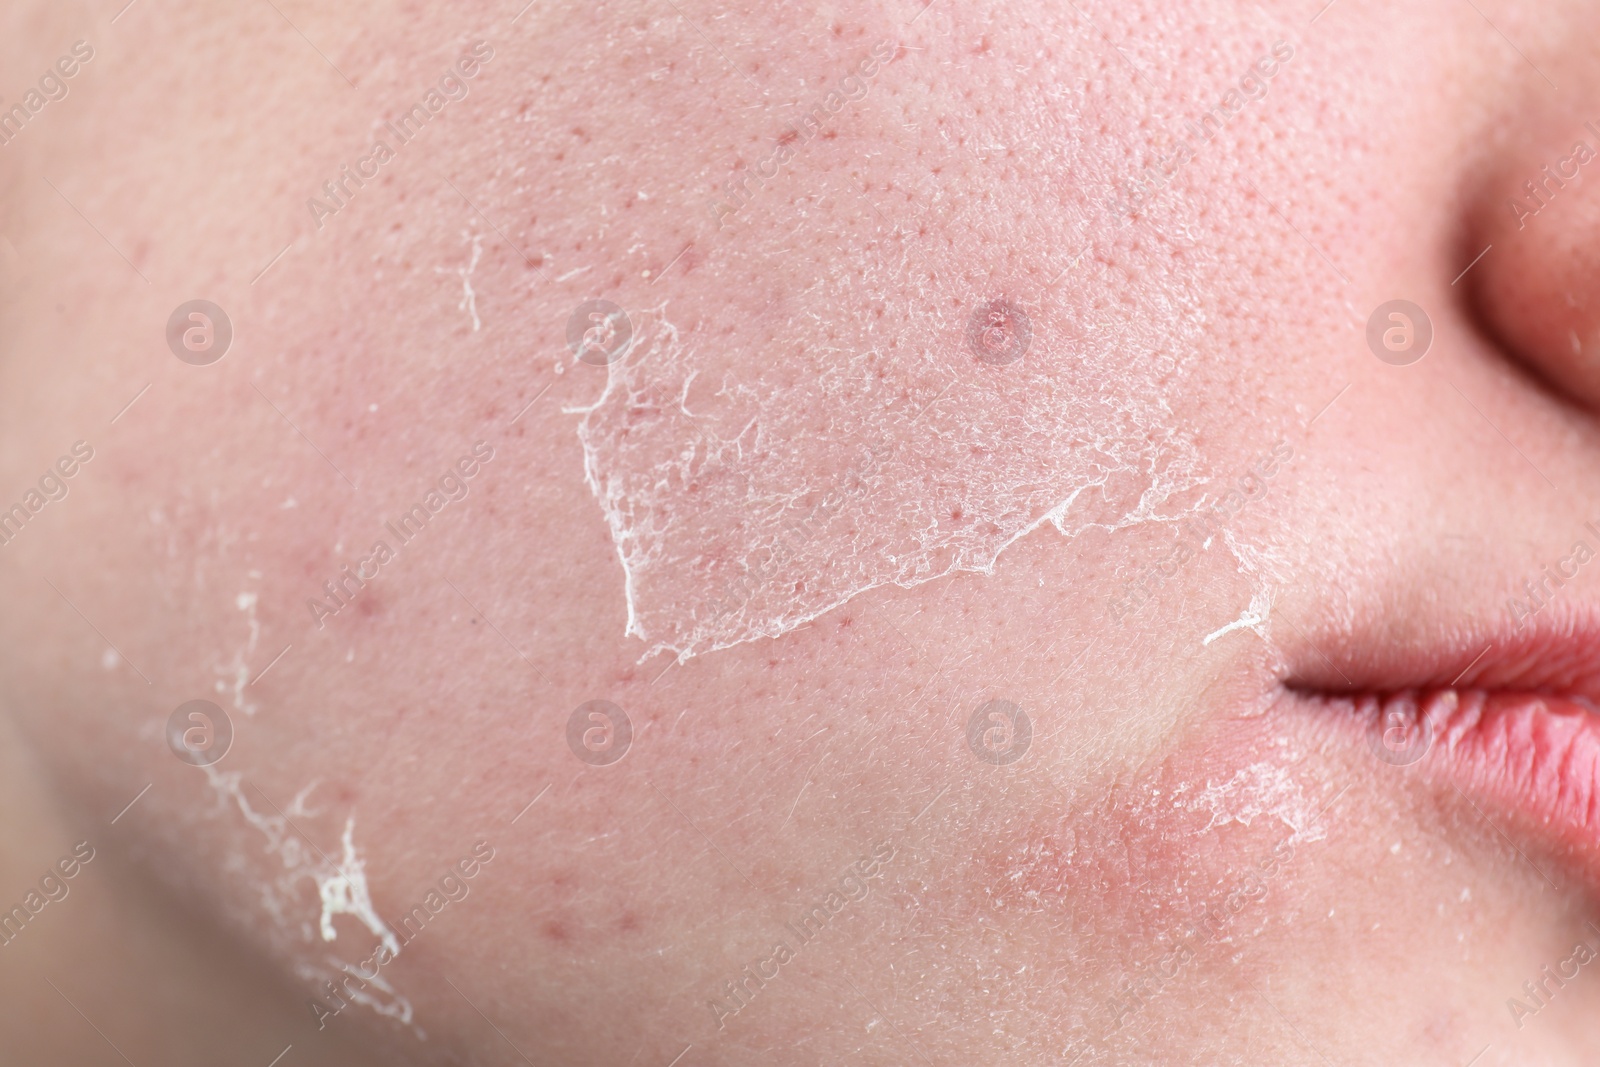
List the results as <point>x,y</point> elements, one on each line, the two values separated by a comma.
<point>1193,861</point>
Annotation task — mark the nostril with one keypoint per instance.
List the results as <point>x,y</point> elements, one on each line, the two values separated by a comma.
<point>1538,288</point>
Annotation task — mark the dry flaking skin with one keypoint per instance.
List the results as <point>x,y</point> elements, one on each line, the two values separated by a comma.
<point>341,889</point>
<point>747,497</point>
<point>759,463</point>
<point>755,465</point>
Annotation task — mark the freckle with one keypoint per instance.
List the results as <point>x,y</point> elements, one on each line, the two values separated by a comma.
<point>556,932</point>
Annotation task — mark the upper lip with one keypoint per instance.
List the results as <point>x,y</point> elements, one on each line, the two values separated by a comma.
<point>1555,654</point>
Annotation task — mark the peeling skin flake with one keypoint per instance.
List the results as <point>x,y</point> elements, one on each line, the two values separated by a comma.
<point>747,497</point>
<point>1261,789</point>
<point>334,970</point>
<point>345,893</point>
<point>469,297</point>
<point>1252,618</point>
<point>234,676</point>
<point>341,888</point>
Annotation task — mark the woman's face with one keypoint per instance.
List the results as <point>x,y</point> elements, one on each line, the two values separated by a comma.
<point>877,533</point>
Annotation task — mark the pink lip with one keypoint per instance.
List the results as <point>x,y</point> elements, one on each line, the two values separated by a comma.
<point>1510,723</point>
<point>1535,756</point>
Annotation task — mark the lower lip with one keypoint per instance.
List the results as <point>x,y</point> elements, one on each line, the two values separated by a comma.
<point>1531,756</point>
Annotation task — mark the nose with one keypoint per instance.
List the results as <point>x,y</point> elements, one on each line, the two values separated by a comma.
<point>1538,285</point>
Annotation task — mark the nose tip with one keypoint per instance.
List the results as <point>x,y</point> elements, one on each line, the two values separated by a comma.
<point>1538,287</point>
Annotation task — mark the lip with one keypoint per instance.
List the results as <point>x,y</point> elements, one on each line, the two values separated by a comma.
<point>1508,722</point>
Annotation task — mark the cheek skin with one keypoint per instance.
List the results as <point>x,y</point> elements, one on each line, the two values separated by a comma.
<point>1202,848</point>
<point>1088,894</point>
<point>1166,890</point>
<point>1264,854</point>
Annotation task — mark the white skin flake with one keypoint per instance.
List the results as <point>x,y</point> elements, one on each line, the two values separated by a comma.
<point>363,991</point>
<point>235,674</point>
<point>469,298</point>
<point>1252,618</point>
<point>341,887</point>
<point>747,497</point>
<point>1261,789</point>
<point>344,892</point>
